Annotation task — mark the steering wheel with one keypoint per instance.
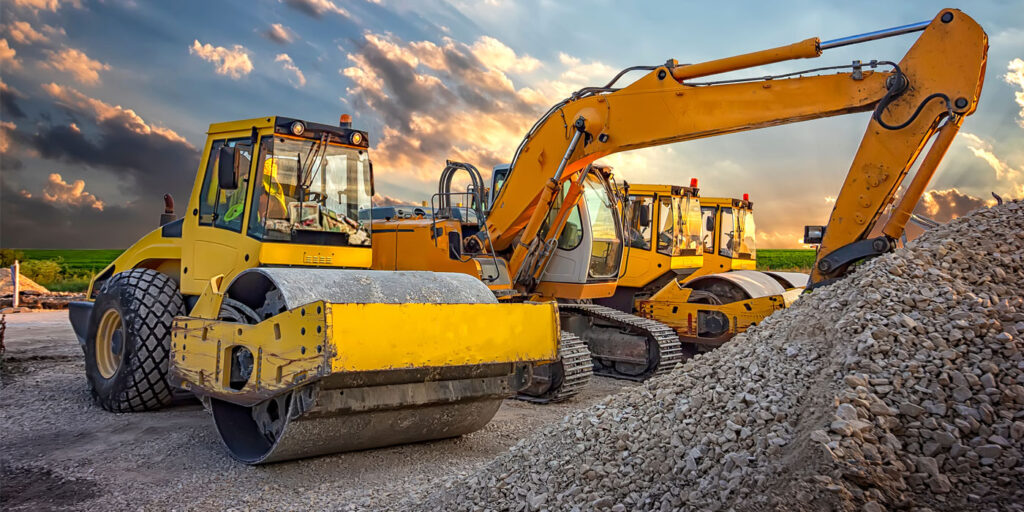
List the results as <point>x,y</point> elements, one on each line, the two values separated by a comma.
<point>316,197</point>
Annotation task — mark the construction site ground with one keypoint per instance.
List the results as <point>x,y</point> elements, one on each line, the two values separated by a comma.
<point>60,451</point>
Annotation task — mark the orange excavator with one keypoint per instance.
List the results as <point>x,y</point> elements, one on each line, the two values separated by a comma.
<point>550,231</point>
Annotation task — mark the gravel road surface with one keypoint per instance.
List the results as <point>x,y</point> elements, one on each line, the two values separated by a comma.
<point>60,451</point>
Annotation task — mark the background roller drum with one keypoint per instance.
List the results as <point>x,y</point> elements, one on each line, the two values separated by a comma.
<point>128,340</point>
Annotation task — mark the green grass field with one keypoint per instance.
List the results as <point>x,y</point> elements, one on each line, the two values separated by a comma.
<point>80,262</point>
<point>785,259</point>
<point>77,261</point>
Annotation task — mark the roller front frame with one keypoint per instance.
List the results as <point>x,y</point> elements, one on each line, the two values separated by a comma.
<point>321,340</point>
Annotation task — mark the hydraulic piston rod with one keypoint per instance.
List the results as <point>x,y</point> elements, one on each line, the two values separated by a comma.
<point>806,49</point>
<point>878,34</point>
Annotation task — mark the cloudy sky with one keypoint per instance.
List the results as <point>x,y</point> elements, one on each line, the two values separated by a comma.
<point>105,103</point>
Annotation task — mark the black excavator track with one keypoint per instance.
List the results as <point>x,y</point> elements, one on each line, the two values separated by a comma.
<point>562,379</point>
<point>661,352</point>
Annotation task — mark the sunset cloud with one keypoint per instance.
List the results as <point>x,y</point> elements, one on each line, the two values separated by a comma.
<point>451,99</point>
<point>440,101</point>
<point>5,128</point>
<point>22,32</point>
<point>945,205</point>
<point>105,112</point>
<point>315,8</point>
<point>8,55</point>
<point>280,34</point>
<point>983,150</point>
<point>383,200</point>
<point>496,55</point>
<point>46,5</point>
<point>145,161</point>
<point>76,62</point>
<point>1015,76</point>
<point>234,63</point>
<point>61,192</point>
<point>299,79</point>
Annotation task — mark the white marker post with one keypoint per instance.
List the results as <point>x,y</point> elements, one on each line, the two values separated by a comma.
<point>15,272</point>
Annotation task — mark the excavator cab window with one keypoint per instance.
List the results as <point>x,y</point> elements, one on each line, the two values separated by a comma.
<point>605,228</point>
<point>311,192</point>
<point>572,232</point>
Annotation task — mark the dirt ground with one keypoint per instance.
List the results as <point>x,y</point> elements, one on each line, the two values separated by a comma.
<point>60,451</point>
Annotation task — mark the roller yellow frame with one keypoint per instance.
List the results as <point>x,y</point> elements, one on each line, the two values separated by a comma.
<point>320,339</point>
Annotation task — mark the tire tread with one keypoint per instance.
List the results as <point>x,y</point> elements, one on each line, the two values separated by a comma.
<point>150,301</point>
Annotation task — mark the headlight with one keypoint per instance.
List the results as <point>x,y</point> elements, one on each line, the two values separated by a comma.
<point>356,138</point>
<point>297,128</point>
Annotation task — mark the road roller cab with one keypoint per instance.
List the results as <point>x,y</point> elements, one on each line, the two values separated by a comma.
<point>258,300</point>
<point>726,295</point>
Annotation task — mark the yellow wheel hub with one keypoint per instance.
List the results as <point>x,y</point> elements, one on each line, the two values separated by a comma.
<point>109,343</point>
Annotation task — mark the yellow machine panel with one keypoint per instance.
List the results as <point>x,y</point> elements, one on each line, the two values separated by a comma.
<point>321,338</point>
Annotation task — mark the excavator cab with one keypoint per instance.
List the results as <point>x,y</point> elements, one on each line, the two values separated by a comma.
<point>590,246</point>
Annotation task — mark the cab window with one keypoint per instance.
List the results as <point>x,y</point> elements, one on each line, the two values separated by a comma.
<point>707,234</point>
<point>726,244</point>
<point>231,203</point>
<point>213,204</point>
<point>666,226</point>
<point>572,233</point>
<point>311,192</point>
<point>640,236</point>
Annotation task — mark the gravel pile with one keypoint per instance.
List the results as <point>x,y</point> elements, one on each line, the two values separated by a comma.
<point>899,387</point>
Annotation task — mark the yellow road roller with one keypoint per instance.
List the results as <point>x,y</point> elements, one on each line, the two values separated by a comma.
<point>260,301</point>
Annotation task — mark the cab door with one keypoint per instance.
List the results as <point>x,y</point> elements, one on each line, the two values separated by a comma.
<point>215,243</point>
<point>639,256</point>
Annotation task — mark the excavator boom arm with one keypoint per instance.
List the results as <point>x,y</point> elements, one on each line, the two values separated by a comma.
<point>940,77</point>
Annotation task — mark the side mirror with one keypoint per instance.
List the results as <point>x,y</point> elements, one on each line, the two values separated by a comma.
<point>710,225</point>
<point>813,234</point>
<point>643,215</point>
<point>227,165</point>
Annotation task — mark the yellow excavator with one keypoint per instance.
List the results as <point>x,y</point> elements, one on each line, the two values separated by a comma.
<point>260,302</point>
<point>550,231</point>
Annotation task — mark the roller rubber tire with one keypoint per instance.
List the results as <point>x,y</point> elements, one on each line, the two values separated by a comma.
<point>147,301</point>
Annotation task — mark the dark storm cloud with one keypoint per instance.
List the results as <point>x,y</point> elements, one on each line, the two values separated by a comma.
<point>35,222</point>
<point>72,132</point>
<point>10,163</point>
<point>405,94</point>
<point>9,107</point>
<point>438,101</point>
<point>151,164</point>
<point>945,205</point>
